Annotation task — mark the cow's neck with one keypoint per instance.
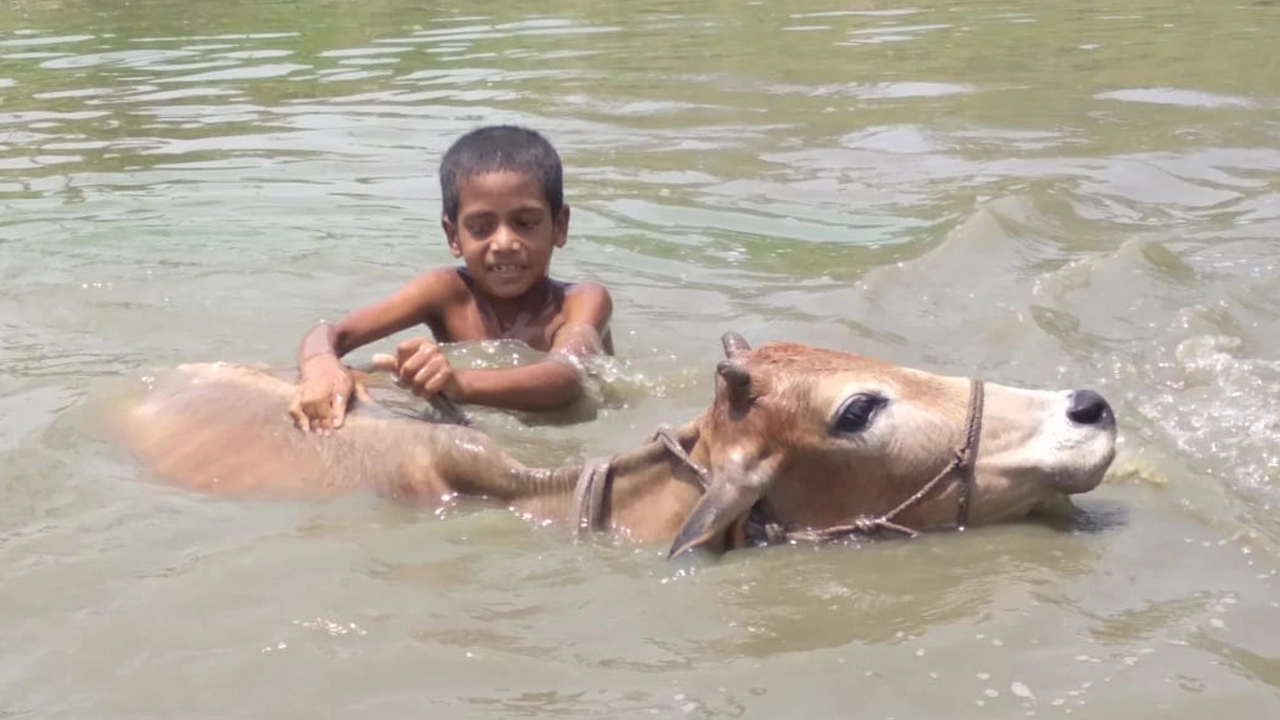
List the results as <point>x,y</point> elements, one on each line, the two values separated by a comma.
<point>649,491</point>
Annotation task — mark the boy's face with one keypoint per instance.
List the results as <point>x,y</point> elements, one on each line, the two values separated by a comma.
<point>505,232</point>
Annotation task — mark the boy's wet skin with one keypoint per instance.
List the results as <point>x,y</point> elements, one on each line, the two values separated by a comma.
<point>504,216</point>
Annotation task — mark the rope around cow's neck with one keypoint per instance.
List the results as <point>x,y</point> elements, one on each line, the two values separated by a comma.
<point>590,491</point>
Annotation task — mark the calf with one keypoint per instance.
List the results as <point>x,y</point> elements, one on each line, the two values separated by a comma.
<point>799,443</point>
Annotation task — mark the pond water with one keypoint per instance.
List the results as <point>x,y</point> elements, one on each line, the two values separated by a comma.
<point>1049,194</point>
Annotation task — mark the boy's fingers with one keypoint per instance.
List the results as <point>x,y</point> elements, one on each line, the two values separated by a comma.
<point>299,417</point>
<point>420,380</point>
<point>435,384</point>
<point>362,393</point>
<point>413,366</point>
<point>385,362</point>
<point>339,409</point>
<point>410,347</point>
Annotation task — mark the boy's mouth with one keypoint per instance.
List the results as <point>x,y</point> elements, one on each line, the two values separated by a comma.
<point>505,268</point>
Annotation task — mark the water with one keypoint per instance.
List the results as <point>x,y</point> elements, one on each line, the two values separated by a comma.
<point>1057,194</point>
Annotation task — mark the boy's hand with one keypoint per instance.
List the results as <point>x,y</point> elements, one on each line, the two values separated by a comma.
<point>320,402</point>
<point>421,366</point>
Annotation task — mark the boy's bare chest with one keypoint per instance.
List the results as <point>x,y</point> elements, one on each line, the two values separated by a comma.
<point>475,321</point>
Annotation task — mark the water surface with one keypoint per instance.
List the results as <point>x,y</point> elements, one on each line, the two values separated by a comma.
<point>1055,194</point>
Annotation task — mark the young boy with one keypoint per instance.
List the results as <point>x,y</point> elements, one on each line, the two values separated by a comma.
<point>504,214</point>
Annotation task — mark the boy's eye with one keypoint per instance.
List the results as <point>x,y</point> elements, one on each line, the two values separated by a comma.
<point>480,229</point>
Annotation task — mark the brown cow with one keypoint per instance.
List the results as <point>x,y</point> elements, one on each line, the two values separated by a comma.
<point>800,443</point>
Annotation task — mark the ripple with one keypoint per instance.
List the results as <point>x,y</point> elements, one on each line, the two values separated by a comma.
<point>253,72</point>
<point>877,90</point>
<point>890,34</point>
<point>180,94</point>
<point>228,36</point>
<point>122,58</point>
<point>337,75</point>
<point>77,93</point>
<point>913,89</point>
<point>51,40</point>
<point>900,139</point>
<point>362,52</point>
<point>893,12</point>
<point>257,54</point>
<point>1175,96</point>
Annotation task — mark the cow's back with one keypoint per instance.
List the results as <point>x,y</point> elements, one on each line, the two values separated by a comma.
<point>226,428</point>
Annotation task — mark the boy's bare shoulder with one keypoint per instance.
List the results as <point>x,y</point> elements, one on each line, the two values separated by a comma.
<point>585,292</point>
<point>443,284</point>
<point>585,302</point>
<point>584,316</point>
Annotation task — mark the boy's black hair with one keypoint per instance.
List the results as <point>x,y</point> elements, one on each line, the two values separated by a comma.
<point>501,148</point>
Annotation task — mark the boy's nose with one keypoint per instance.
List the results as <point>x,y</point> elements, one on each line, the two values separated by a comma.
<point>505,238</point>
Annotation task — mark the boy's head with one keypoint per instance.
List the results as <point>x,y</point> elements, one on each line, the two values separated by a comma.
<point>501,148</point>
<point>504,211</point>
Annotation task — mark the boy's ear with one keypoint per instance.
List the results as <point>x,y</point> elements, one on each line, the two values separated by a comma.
<point>451,234</point>
<point>562,225</point>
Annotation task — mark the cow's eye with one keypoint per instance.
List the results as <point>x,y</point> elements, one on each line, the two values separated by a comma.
<point>856,413</point>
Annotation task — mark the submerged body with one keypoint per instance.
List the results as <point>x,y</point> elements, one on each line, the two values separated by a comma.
<point>816,438</point>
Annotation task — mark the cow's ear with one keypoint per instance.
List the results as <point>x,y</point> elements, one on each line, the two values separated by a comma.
<point>734,489</point>
<point>715,512</point>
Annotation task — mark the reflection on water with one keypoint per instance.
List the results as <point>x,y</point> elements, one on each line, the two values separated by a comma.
<point>1064,195</point>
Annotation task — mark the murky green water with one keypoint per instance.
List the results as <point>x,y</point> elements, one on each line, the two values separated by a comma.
<point>1062,194</point>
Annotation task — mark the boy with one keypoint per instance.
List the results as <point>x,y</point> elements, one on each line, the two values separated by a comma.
<point>504,214</point>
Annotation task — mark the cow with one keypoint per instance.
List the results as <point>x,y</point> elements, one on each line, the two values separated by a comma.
<point>800,444</point>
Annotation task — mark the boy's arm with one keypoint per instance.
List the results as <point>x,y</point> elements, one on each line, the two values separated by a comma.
<point>324,387</point>
<point>412,303</point>
<point>555,382</point>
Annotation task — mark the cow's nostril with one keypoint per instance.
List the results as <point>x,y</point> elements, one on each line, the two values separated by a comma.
<point>1089,408</point>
